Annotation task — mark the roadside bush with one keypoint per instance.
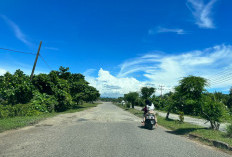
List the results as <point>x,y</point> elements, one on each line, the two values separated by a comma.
<point>128,105</point>
<point>18,110</point>
<point>78,98</point>
<point>16,88</point>
<point>7,111</point>
<point>57,91</point>
<point>181,117</point>
<point>43,102</point>
<point>26,110</point>
<point>213,111</point>
<point>229,130</point>
<point>139,102</point>
<point>64,101</point>
<point>43,83</point>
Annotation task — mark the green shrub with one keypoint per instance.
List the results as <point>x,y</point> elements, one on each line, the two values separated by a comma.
<point>181,117</point>
<point>128,105</point>
<point>44,102</point>
<point>16,88</point>
<point>229,130</point>
<point>18,110</point>
<point>57,91</point>
<point>64,101</point>
<point>26,110</point>
<point>213,110</point>
<point>7,111</point>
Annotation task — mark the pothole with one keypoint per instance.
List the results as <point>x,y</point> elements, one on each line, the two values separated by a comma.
<point>82,120</point>
<point>41,125</point>
<point>72,117</point>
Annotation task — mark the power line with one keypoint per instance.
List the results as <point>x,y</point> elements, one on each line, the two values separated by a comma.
<point>17,51</point>
<point>228,69</point>
<point>222,81</point>
<point>28,53</point>
<point>215,78</point>
<point>218,79</point>
<point>45,62</point>
<point>221,74</point>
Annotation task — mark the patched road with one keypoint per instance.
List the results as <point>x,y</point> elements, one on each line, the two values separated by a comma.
<point>103,131</point>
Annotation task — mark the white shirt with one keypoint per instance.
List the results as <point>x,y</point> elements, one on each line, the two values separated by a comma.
<point>151,108</point>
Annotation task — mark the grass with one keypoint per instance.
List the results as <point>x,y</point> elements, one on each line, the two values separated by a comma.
<point>18,122</point>
<point>186,128</point>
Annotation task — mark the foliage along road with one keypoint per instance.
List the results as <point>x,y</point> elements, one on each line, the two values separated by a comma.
<point>195,121</point>
<point>105,130</point>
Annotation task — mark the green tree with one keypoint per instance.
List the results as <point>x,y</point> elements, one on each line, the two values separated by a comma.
<point>189,93</point>
<point>43,83</point>
<point>147,92</point>
<point>131,97</point>
<point>16,88</point>
<point>59,90</point>
<point>219,96</point>
<point>229,102</point>
<point>169,103</point>
<point>213,110</point>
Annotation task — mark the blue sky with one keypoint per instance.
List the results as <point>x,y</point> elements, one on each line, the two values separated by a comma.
<point>121,45</point>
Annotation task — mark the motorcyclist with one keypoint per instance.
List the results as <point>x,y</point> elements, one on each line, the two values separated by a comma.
<point>149,108</point>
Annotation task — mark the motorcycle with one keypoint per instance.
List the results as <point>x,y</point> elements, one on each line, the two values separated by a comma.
<point>149,121</point>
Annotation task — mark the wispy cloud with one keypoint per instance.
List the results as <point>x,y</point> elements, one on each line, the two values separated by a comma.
<point>166,30</point>
<point>212,63</point>
<point>17,31</point>
<point>89,72</point>
<point>202,12</point>
<point>168,69</point>
<point>51,48</point>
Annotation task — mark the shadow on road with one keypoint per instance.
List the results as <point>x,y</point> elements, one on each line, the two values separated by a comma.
<point>143,127</point>
<point>184,131</point>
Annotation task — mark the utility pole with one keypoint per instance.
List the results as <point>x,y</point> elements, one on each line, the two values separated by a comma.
<point>32,73</point>
<point>161,88</point>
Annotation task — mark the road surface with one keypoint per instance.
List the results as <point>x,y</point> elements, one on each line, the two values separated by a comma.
<point>103,131</point>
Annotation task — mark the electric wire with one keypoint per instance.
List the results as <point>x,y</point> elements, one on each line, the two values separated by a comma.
<point>45,62</point>
<point>27,53</point>
<point>17,51</point>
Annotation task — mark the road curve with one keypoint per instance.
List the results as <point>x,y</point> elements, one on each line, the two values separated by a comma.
<point>103,131</point>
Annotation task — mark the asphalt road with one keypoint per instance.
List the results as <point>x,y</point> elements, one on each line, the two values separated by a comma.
<point>103,131</point>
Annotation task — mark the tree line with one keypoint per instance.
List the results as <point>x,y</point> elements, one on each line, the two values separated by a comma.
<point>189,98</point>
<point>54,92</point>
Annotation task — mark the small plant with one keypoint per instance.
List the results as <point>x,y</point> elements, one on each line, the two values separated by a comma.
<point>7,111</point>
<point>229,130</point>
<point>128,105</point>
<point>181,117</point>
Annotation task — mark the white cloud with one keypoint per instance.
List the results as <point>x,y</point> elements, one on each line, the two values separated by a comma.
<point>2,71</point>
<point>17,31</point>
<point>112,86</point>
<point>202,12</point>
<point>89,72</point>
<point>167,70</point>
<point>166,30</point>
